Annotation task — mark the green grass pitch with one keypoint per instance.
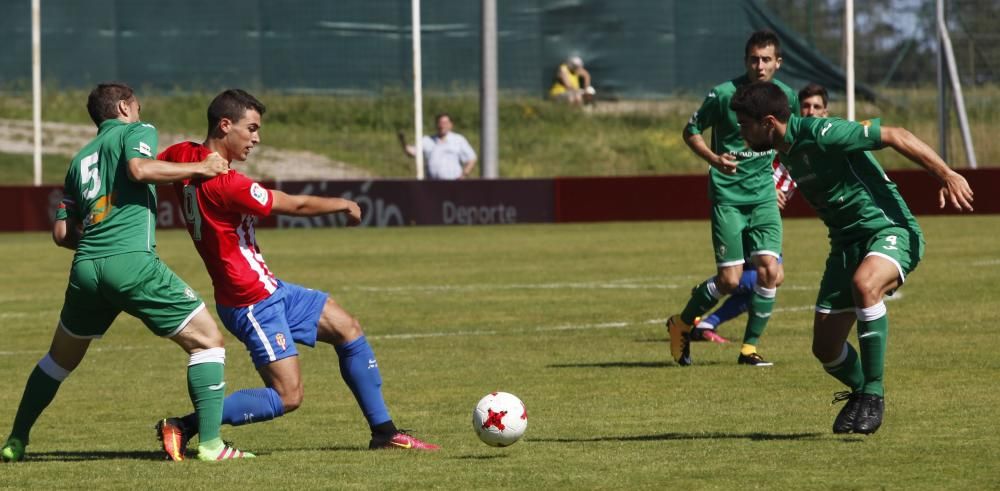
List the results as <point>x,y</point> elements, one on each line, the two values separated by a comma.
<point>568,318</point>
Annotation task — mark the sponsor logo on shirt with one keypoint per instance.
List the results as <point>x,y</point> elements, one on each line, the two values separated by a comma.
<point>144,149</point>
<point>188,292</point>
<point>746,154</point>
<point>827,128</point>
<point>258,193</point>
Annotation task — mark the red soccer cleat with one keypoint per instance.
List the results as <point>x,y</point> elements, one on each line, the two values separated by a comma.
<point>170,432</point>
<point>401,441</point>
<point>710,335</point>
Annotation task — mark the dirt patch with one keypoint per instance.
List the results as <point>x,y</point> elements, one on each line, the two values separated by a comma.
<point>265,162</point>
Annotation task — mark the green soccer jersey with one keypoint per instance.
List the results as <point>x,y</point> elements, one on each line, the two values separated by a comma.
<point>117,213</point>
<point>841,180</point>
<point>752,182</point>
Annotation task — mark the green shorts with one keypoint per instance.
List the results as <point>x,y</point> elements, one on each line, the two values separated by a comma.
<point>742,231</point>
<point>902,246</point>
<point>137,283</point>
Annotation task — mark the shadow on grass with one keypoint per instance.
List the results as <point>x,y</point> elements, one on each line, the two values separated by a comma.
<point>482,457</point>
<point>627,364</point>
<point>158,455</point>
<point>755,436</point>
<point>83,455</point>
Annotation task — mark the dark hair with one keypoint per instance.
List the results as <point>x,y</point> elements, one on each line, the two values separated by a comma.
<point>814,90</point>
<point>102,103</point>
<point>761,99</point>
<point>761,39</point>
<point>232,105</point>
<point>438,116</point>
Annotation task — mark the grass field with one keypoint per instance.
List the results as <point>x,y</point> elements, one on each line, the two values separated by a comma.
<point>567,317</point>
<point>537,138</point>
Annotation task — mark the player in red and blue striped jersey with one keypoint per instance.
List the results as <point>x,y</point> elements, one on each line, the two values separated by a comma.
<point>268,315</point>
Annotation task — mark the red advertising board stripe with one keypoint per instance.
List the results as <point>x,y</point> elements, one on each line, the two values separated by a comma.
<point>478,202</point>
<point>595,199</point>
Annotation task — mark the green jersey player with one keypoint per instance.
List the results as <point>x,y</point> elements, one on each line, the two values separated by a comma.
<point>108,215</point>
<point>746,222</point>
<point>874,240</point>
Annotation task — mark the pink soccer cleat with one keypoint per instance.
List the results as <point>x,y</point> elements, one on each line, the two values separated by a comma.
<point>401,441</point>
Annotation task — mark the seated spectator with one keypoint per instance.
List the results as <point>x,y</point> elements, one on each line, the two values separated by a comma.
<point>571,83</point>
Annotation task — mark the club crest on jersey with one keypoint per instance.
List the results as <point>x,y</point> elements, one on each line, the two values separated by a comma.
<point>280,339</point>
<point>258,193</point>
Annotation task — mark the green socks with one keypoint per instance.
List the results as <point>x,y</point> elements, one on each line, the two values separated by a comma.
<point>873,332</point>
<point>703,298</point>
<point>847,368</point>
<point>43,383</point>
<point>864,373</point>
<point>207,389</point>
<point>761,306</point>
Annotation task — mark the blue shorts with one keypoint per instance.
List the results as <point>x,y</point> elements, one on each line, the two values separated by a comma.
<point>271,328</point>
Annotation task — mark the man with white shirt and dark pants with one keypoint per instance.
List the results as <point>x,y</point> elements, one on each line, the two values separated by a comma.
<point>447,155</point>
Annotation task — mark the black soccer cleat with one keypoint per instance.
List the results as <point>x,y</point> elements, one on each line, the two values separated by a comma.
<point>869,416</point>
<point>753,359</point>
<point>849,413</point>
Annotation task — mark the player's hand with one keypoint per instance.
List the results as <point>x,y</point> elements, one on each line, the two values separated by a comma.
<point>214,165</point>
<point>353,214</point>
<point>725,164</point>
<point>956,191</point>
<point>782,199</point>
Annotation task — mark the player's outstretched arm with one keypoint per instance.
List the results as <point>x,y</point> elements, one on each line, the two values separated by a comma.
<point>304,205</point>
<point>723,163</point>
<point>954,188</point>
<point>149,171</point>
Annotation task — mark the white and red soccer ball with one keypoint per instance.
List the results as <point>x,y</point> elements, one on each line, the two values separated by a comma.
<point>500,419</point>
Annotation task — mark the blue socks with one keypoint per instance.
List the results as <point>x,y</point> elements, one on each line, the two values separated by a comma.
<point>359,369</point>
<point>251,406</point>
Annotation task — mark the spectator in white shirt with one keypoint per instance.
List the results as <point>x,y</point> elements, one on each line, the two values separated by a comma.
<point>447,155</point>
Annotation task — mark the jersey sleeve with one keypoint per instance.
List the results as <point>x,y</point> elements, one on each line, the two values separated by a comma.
<point>706,115</point>
<point>241,194</point>
<point>141,141</point>
<point>848,136</point>
<point>67,206</point>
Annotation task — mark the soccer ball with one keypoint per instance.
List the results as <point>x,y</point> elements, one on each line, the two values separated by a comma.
<point>500,419</point>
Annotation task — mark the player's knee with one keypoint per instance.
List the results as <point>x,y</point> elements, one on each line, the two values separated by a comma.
<point>200,334</point>
<point>214,339</point>
<point>726,285</point>
<point>291,398</point>
<point>866,291</point>
<point>823,352</point>
<point>346,329</point>
<point>780,277</point>
<point>771,274</point>
<point>353,329</point>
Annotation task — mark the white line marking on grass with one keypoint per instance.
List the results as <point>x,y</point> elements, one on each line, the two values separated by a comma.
<point>987,262</point>
<point>566,327</point>
<point>523,286</point>
<point>109,349</point>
